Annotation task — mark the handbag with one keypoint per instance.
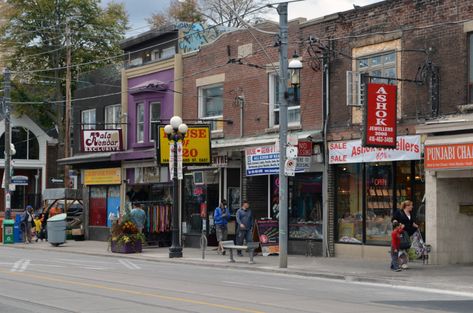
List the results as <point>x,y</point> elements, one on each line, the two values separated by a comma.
<point>405,241</point>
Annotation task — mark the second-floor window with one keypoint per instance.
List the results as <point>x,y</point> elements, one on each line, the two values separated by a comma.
<point>112,116</point>
<point>293,105</point>
<point>379,65</point>
<point>154,117</point>
<point>211,105</point>
<point>88,119</point>
<point>470,68</point>
<point>140,122</point>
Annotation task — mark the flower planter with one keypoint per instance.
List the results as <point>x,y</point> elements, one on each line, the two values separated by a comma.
<point>129,247</point>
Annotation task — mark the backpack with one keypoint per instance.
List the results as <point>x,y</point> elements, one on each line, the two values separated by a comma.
<point>405,241</point>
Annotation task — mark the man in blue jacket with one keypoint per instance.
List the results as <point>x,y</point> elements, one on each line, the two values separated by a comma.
<point>244,219</point>
<point>221,217</point>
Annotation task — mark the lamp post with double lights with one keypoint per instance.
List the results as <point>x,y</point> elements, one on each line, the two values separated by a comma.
<point>176,131</point>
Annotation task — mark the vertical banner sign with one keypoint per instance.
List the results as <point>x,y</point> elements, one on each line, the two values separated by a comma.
<point>171,160</point>
<point>179,160</point>
<point>380,116</point>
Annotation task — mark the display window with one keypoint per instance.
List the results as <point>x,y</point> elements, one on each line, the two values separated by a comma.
<point>367,194</point>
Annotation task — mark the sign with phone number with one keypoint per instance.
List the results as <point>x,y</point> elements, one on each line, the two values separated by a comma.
<point>196,146</point>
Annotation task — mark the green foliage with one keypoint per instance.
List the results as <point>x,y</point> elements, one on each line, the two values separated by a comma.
<point>37,34</point>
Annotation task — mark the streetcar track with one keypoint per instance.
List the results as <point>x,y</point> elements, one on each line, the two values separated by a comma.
<point>34,303</point>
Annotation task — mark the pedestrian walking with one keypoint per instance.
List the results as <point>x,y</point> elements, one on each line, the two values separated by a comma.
<point>244,219</point>
<point>221,218</point>
<point>138,217</point>
<point>28,223</point>
<point>404,216</point>
<point>395,244</point>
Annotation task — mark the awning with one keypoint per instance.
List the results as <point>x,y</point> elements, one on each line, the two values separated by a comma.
<point>449,139</point>
<point>149,86</point>
<point>134,155</point>
<point>85,158</point>
<point>267,139</point>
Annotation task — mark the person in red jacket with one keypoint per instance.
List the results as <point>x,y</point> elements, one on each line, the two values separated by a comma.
<point>395,243</point>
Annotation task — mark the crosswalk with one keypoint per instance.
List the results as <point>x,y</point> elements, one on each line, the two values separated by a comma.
<point>22,265</point>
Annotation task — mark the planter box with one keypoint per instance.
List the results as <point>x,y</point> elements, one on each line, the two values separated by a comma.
<point>129,247</point>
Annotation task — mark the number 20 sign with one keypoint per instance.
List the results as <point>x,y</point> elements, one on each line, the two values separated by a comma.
<point>196,146</point>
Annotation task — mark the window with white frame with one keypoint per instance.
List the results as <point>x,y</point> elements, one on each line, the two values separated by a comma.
<point>293,106</point>
<point>88,119</point>
<point>211,105</point>
<point>154,117</point>
<point>140,122</point>
<point>379,65</point>
<point>112,116</point>
<point>470,68</point>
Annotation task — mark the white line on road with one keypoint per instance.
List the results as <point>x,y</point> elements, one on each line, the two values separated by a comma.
<point>20,266</point>
<point>253,285</point>
<point>128,264</point>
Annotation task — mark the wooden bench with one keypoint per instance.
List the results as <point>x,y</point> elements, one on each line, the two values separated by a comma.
<point>250,247</point>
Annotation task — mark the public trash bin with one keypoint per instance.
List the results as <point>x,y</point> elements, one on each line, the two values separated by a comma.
<point>8,226</point>
<point>56,227</point>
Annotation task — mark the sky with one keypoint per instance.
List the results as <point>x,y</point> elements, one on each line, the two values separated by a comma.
<point>139,10</point>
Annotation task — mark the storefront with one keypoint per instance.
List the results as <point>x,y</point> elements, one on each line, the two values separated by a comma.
<point>449,185</point>
<point>103,190</point>
<point>370,184</point>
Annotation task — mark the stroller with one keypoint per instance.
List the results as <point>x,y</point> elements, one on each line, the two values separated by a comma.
<point>421,249</point>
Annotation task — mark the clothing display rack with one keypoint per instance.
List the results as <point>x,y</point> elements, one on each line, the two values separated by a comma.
<point>157,228</point>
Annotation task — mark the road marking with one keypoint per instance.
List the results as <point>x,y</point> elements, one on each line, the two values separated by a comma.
<point>20,266</point>
<point>134,292</point>
<point>253,285</point>
<point>128,264</point>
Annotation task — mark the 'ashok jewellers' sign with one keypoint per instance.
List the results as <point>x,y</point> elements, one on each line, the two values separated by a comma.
<point>352,151</point>
<point>101,140</point>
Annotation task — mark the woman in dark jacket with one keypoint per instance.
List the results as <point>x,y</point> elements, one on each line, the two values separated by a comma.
<point>404,216</point>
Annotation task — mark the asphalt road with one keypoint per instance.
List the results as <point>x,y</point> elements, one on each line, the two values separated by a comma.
<point>42,281</point>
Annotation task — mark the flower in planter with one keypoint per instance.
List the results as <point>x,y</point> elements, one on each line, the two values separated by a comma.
<point>124,231</point>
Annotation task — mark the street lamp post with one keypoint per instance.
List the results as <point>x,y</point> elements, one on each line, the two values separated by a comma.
<point>176,131</point>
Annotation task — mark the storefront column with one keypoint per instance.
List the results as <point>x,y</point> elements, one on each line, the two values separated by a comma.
<point>431,214</point>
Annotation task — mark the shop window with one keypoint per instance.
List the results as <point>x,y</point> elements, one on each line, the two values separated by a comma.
<point>140,122</point>
<point>26,143</point>
<point>349,203</point>
<point>379,202</point>
<point>154,118</point>
<point>211,105</point>
<point>381,65</point>
<point>112,116</point>
<point>305,211</point>
<point>98,206</point>
<point>88,119</point>
<point>293,109</point>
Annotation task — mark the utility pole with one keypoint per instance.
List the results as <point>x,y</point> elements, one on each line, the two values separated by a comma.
<point>7,148</point>
<point>283,198</point>
<point>67,132</point>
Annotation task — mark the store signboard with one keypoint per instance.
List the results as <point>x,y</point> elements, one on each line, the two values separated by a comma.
<point>380,116</point>
<point>268,234</point>
<point>449,156</point>
<point>101,140</point>
<point>407,148</point>
<point>103,176</point>
<point>265,161</point>
<point>196,146</point>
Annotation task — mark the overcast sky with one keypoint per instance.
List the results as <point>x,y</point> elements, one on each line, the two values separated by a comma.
<point>139,10</point>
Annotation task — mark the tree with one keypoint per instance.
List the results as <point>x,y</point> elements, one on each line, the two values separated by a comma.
<point>221,12</point>
<point>37,34</point>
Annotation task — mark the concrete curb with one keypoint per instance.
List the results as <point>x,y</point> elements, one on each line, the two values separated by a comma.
<point>353,278</point>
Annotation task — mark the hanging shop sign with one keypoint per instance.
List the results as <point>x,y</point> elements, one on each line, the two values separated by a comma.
<point>380,116</point>
<point>449,156</point>
<point>103,176</point>
<point>195,146</point>
<point>265,161</point>
<point>352,151</point>
<point>268,235</point>
<point>101,140</point>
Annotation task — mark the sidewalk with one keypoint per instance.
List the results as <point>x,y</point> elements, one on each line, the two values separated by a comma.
<point>453,278</point>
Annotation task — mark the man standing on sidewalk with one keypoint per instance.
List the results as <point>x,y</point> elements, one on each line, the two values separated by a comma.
<point>244,219</point>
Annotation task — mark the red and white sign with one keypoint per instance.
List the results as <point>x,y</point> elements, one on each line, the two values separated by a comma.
<point>101,140</point>
<point>449,156</point>
<point>380,122</point>
<point>407,148</point>
<point>305,148</point>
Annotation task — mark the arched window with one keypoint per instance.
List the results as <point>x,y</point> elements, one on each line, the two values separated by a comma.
<point>26,144</point>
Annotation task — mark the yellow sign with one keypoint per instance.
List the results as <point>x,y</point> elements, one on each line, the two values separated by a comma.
<point>103,176</point>
<point>196,146</point>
